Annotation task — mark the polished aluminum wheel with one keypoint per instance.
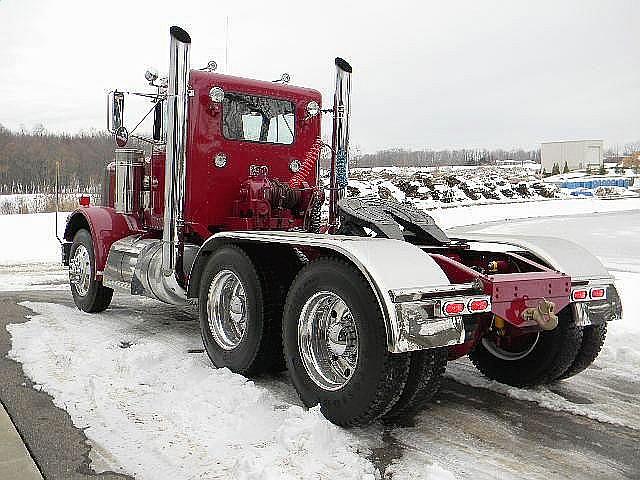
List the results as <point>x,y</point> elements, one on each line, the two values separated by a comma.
<point>227,310</point>
<point>328,340</point>
<point>511,355</point>
<point>80,270</point>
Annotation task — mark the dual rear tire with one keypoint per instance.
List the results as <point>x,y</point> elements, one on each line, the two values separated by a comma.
<point>238,316</point>
<point>333,337</point>
<point>545,358</point>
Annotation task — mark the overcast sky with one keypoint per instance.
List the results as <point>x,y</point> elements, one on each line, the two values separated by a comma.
<point>426,74</point>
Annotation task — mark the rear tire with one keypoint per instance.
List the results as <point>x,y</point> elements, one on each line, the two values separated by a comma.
<point>233,322</point>
<point>335,345</point>
<point>593,337</point>
<point>423,382</point>
<point>88,293</point>
<point>551,356</point>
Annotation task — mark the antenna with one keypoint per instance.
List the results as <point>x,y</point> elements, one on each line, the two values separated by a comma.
<point>226,47</point>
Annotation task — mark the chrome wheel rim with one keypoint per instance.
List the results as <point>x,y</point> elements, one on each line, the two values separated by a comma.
<point>328,340</point>
<point>227,310</point>
<point>80,270</point>
<point>496,351</point>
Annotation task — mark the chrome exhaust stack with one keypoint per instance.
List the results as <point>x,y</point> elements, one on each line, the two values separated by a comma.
<point>174,174</point>
<point>340,138</point>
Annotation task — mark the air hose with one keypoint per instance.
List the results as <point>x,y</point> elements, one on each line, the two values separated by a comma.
<point>308,166</point>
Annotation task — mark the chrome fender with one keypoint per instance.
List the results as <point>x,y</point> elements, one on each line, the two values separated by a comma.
<point>388,265</point>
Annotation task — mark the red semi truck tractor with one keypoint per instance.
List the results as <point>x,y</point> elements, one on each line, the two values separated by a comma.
<point>364,310</point>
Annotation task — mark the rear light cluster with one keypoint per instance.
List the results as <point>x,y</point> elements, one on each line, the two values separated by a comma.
<point>453,308</point>
<point>585,294</point>
<point>461,306</point>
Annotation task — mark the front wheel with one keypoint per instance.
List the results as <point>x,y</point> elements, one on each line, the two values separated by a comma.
<point>335,345</point>
<point>88,293</point>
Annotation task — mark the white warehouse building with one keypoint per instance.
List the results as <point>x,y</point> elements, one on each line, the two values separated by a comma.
<point>577,154</point>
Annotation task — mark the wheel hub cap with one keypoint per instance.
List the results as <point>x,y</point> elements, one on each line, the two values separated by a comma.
<point>328,340</point>
<point>227,307</point>
<point>80,270</point>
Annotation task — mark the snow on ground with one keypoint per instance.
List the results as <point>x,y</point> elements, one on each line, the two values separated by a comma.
<point>30,238</point>
<point>416,466</point>
<point>457,216</point>
<point>40,202</point>
<point>35,276</point>
<point>161,412</point>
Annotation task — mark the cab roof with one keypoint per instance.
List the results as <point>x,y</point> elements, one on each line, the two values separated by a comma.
<point>200,80</point>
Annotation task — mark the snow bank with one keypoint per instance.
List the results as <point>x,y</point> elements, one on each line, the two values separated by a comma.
<point>37,276</point>
<point>30,238</point>
<point>41,202</point>
<point>475,214</point>
<point>161,412</point>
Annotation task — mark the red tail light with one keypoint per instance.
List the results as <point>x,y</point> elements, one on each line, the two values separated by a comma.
<point>479,305</point>
<point>597,292</point>
<point>84,200</point>
<point>453,308</point>
<point>581,294</point>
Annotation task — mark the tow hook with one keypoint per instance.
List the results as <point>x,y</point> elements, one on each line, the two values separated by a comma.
<point>543,314</point>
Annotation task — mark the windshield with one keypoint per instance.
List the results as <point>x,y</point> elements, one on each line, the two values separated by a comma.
<point>258,119</point>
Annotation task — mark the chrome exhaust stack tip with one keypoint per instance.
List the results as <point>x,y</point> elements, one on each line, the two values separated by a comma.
<point>342,64</point>
<point>179,34</point>
<point>340,138</point>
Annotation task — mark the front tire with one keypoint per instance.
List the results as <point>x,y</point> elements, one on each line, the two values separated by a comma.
<point>548,355</point>
<point>335,345</point>
<point>88,293</point>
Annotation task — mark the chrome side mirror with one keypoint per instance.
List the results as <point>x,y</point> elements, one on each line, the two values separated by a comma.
<point>115,111</point>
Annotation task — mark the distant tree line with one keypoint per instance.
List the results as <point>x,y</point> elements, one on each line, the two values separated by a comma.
<point>28,160</point>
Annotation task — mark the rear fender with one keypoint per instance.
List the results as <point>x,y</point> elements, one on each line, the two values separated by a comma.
<point>560,254</point>
<point>106,227</point>
<point>388,265</point>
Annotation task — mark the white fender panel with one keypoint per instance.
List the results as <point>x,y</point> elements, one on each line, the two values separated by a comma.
<point>563,255</point>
